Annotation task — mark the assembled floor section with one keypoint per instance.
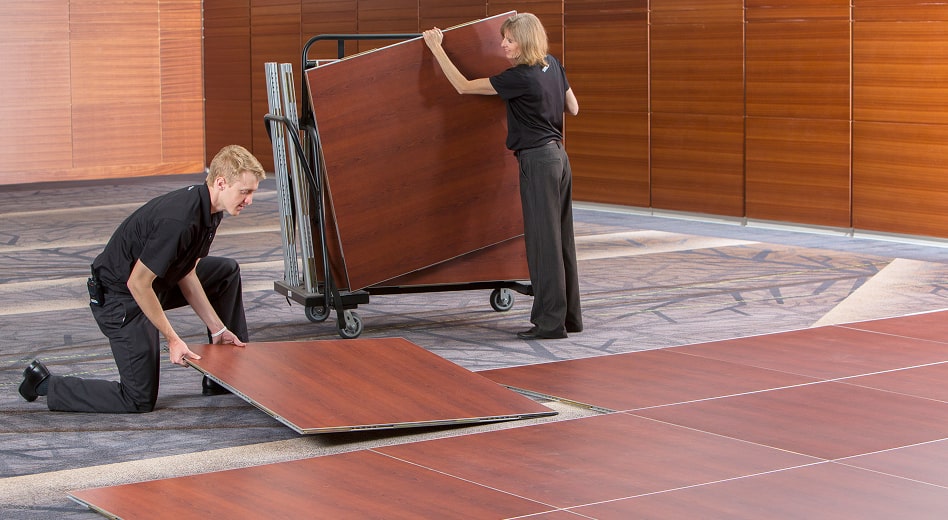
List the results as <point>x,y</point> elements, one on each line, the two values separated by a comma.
<point>843,421</point>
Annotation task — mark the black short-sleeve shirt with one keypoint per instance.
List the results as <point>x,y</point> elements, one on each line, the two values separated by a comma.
<point>536,99</point>
<point>168,234</point>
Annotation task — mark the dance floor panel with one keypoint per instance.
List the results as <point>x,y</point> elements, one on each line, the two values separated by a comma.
<point>344,385</point>
<point>827,420</point>
<point>605,457</point>
<point>730,429</point>
<point>930,325</point>
<point>641,379</point>
<point>824,352</point>
<point>820,491</point>
<point>355,485</point>
<point>922,462</point>
<point>418,174</point>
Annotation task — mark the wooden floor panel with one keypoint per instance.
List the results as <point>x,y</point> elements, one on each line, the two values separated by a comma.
<point>931,326</point>
<point>586,460</point>
<point>824,352</point>
<point>925,381</point>
<point>827,420</point>
<point>341,385</point>
<point>821,491</point>
<point>922,462</point>
<point>830,422</point>
<point>641,379</point>
<point>354,485</point>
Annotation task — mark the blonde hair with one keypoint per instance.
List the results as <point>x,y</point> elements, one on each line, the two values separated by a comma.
<point>527,30</point>
<point>231,162</point>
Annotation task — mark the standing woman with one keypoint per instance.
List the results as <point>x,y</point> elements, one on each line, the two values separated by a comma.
<point>537,93</point>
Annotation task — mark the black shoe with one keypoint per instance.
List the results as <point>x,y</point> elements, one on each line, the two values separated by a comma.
<point>33,376</point>
<point>534,333</point>
<point>211,387</point>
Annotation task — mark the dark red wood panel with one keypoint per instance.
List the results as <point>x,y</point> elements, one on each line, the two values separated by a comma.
<point>818,491</point>
<point>418,174</point>
<point>924,381</point>
<point>923,463</point>
<point>341,385</point>
<point>828,420</point>
<point>639,379</point>
<point>569,463</point>
<point>931,326</point>
<point>824,352</point>
<point>351,485</point>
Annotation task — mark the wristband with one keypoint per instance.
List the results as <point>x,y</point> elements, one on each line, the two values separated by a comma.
<point>218,333</point>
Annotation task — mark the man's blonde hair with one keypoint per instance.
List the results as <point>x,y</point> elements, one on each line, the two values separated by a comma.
<point>231,162</point>
<point>527,30</point>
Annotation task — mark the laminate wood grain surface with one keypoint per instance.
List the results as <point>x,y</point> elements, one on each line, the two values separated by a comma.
<point>343,385</point>
<point>828,422</point>
<point>418,174</point>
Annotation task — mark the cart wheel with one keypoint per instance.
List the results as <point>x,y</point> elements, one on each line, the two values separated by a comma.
<point>316,313</point>
<point>501,299</point>
<point>353,326</point>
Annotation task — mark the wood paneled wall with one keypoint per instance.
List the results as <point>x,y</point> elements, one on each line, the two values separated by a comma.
<point>100,89</point>
<point>819,112</point>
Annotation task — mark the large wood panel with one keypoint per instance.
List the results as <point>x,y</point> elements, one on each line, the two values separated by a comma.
<point>182,86</point>
<point>608,143</point>
<point>696,11</point>
<point>899,72</point>
<point>114,70</point>
<point>448,13</point>
<point>356,485</point>
<point>899,10</point>
<point>100,89</point>
<point>227,85</point>
<point>796,10</point>
<point>274,36</point>
<point>899,182</point>
<point>798,69</point>
<point>35,135</point>
<point>417,173</point>
<point>698,163</point>
<point>798,170</point>
<point>697,68</point>
<point>609,154</point>
<point>344,385</point>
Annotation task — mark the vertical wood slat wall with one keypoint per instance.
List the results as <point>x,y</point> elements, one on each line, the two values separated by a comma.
<point>97,89</point>
<point>819,112</point>
<point>815,112</point>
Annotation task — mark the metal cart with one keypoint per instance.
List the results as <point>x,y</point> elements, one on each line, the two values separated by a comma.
<point>300,176</point>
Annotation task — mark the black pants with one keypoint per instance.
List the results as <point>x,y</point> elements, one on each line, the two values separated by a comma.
<point>136,347</point>
<point>546,192</point>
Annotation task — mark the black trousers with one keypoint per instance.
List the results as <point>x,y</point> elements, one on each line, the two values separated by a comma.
<point>546,193</point>
<point>136,345</point>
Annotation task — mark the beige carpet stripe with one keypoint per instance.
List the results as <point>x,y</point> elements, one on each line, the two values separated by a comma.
<point>880,297</point>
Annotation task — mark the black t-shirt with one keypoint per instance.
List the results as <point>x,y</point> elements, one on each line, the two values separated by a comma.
<point>168,234</point>
<point>536,99</point>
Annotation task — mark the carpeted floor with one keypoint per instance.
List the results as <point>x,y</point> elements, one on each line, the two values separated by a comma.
<point>648,282</point>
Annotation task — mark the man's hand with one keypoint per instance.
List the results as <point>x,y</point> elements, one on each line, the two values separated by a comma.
<point>180,352</point>
<point>228,338</point>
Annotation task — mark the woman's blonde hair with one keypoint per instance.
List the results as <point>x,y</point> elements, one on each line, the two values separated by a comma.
<point>527,30</point>
<point>231,162</point>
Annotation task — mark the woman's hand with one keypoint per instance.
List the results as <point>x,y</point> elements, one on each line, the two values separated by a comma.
<point>433,37</point>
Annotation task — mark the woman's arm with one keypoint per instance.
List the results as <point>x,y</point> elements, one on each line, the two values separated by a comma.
<point>433,38</point>
<point>572,104</point>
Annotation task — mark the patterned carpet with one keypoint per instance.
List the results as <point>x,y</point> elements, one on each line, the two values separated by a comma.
<point>648,282</point>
